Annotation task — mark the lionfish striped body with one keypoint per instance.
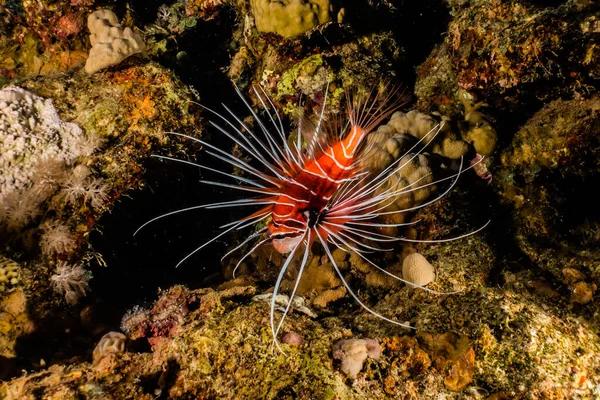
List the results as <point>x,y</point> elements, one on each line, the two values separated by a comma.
<point>307,194</point>
<point>312,193</point>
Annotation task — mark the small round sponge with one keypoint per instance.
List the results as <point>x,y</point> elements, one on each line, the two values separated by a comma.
<point>417,270</point>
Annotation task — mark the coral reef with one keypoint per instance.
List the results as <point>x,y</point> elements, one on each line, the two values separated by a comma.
<point>518,344</point>
<point>546,176</point>
<point>42,38</point>
<point>111,43</point>
<point>300,67</point>
<point>69,175</point>
<point>512,87</point>
<point>63,171</point>
<point>31,131</point>
<point>110,343</point>
<point>512,52</point>
<point>353,353</point>
<point>291,17</point>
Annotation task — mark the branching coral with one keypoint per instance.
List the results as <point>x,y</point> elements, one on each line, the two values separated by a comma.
<point>71,281</point>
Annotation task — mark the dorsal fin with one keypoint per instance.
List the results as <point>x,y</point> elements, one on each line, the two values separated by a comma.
<point>365,110</point>
<point>368,110</point>
<point>320,134</point>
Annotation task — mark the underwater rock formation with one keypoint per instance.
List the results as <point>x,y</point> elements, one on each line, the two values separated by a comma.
<point>15,320</point>
<point>518,344</point>
<point>547,176</point>
<point>513,53</point>
<point>42,37</point>
<point>72,180</point>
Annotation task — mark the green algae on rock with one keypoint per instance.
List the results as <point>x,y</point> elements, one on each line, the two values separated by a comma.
<point>553,157</point>
<point>519,343</point>
<point>287,69</point>
<point>513,53</point>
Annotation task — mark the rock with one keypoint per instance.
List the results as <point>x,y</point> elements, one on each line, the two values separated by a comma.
<point>513,53</point>
<point>454,355</point>
<point>583,292</point>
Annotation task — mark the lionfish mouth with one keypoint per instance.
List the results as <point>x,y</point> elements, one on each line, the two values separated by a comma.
<point>313,190</point>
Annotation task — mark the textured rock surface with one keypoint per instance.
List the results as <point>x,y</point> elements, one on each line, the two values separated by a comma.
<point>514,54</point>
<point>546,178</point>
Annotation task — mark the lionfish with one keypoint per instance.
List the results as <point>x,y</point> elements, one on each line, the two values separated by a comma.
<point>312,189</point>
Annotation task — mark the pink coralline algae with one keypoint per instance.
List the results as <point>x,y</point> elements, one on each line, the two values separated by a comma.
<point>68,25</point>
<point>161,321</point>
<point>292,338</point>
